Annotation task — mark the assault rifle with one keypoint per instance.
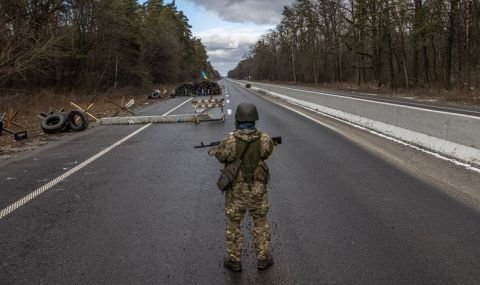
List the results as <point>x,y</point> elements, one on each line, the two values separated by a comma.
<point>276,141</point>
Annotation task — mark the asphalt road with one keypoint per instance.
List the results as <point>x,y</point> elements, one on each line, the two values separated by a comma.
<point>148,211</point>
<point>308,93</point>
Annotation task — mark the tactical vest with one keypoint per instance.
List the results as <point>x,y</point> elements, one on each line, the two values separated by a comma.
<point>250,160</point>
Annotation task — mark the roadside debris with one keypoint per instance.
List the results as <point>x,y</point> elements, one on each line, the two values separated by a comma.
<point>77,120</point>
<point>58,122</point>
<point>122,107</point>
<point>6,124</point>
<point>248,85</point>
<point>85,110</point>
<point>157,94</point>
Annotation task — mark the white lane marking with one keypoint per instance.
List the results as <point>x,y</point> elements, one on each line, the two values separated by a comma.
<point>62,177</point>
<point>229,112</point>
<point>379,102</point>
<point>175,108</point>
<point>456,162</point>
<point>228,101</point>
<point>227,95</point>
<point>29,197</point>
<point>193,114</point>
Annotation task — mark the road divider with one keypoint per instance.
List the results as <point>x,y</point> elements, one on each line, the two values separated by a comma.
<point>450,134</point>
<point>147,119</point>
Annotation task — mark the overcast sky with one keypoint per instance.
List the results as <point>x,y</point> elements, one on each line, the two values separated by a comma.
<point>229,27</point>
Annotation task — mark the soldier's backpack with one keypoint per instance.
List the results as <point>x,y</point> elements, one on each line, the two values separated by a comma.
<point>229,173</point>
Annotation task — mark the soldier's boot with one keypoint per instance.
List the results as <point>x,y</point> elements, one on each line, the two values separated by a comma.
<point>232,265</point>
<point>265,263</point>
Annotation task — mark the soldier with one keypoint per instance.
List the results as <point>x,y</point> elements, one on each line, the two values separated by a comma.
<point>249,190</point>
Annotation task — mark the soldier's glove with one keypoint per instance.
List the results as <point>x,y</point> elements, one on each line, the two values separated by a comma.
<point>212,151</point>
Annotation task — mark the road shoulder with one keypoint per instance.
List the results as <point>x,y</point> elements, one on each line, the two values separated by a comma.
<point>454,180</point>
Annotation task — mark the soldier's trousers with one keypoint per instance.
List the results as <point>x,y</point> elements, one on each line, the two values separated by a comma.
<point>260,232</point>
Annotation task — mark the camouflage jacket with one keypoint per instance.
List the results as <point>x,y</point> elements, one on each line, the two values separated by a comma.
<point>225,152</point>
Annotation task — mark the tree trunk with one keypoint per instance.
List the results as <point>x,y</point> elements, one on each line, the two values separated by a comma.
<point>390,63</point>
<point>467,44</point>
<point>315,71</point>
<point>418,22</point>
<point>426,65</point>
<point>448,55</point>
<point>293,66</point>
<point>435,55</point>
<point>402,41</point>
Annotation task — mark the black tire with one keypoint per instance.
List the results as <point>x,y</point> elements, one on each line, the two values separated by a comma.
<point>67,126</point>
<point>54,123</point>
<point>156,95</point>
<point>77,125</point>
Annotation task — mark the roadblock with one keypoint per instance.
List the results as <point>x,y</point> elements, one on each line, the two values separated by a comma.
<point>211,109</point>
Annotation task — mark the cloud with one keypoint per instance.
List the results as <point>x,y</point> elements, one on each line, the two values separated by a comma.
<point>227,45</point>
<point>246,11</point>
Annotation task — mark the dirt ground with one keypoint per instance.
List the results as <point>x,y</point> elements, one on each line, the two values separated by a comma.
<point>30,105</point>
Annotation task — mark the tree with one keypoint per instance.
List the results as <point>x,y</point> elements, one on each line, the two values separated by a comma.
<point>92,45</point>
<point>419,42</point>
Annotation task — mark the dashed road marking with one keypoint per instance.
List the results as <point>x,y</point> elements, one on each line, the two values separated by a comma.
<point>29,197</point>
<point>228,101</point>
<point>229,112</point>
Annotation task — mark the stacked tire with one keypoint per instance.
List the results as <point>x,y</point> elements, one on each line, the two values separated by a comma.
<point>55,123</point>
<point>206,87</point>
<point>209,88</point>
<point>185,89</point>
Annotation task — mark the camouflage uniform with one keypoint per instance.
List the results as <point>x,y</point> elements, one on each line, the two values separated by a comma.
<point>246,195</point>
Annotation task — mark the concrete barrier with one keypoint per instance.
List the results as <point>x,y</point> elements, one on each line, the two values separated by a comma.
<point>145,120</point>
<point>453,135</point>
<point>189,118</point>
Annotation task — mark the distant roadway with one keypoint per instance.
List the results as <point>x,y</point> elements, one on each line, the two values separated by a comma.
<point>302,91</point>
<point>138,205</point>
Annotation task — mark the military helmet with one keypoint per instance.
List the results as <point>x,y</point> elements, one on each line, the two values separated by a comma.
<point>246,112</point>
